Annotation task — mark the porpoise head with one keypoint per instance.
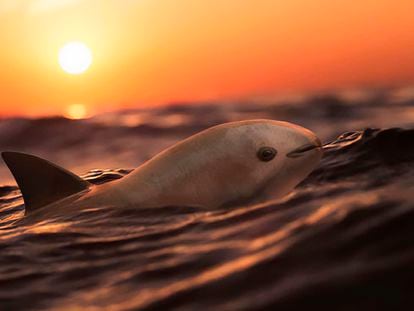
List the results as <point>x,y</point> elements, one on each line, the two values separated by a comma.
<point>227,164</point>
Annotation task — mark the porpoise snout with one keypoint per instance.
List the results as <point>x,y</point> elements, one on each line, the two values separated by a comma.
<point>315,143</point>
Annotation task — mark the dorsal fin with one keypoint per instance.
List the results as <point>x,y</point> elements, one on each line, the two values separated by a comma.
<point>41,182</point>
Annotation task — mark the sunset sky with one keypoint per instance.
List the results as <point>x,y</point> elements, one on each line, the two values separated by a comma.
<point>147,52</point>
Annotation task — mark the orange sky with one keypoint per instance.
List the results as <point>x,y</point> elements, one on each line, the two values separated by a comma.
<point>158,51</point>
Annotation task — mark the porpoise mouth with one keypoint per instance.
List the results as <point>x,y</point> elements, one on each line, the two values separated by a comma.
<point>298,152</point>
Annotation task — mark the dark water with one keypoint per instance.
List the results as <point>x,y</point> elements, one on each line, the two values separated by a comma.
<point>343,240</point>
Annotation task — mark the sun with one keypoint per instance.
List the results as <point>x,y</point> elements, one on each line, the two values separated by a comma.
<point>75,58</point>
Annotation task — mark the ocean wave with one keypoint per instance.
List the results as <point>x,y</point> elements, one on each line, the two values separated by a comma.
<point>341,241</point>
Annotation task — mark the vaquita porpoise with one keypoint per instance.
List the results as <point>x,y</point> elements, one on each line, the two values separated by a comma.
<point>225,165</point>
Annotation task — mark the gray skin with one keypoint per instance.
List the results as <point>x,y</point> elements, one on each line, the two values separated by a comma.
<point>215,168</point>
<point>220,167</point>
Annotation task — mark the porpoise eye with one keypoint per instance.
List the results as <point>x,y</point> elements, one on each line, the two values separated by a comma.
<point>266,154</point>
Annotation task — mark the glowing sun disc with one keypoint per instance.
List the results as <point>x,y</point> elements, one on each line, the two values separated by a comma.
<point>75,58</point>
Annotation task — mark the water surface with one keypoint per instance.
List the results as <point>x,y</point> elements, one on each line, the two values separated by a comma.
<point>343,240</point>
